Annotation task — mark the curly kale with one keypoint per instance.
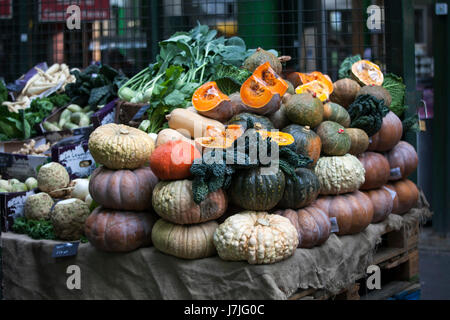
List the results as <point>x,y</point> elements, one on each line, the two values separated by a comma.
<point>367,113</point>
<point>411,124</point>
<point>216,168</point>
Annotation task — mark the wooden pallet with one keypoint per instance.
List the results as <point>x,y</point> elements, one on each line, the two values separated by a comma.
<point>349,293</point>
<point>397,254</point>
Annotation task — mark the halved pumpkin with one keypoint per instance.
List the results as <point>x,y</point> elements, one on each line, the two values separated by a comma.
<point>282,138</point>
<point>262,92</point>
<point>216,138</point>
<point>317,88</point>
<point>367,73</point>
<point>298,79</point>
<point>210,102</point>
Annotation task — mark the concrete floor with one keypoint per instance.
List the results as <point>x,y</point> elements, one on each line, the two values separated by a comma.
<point>434,266</point>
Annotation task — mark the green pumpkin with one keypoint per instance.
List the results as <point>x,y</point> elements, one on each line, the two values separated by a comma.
<point>334,112</point>
<point>256,190</point>
<point>304,109</point>
<point>307,142</point>
<point>335,140</point>
<point>241,119</point>
<point>300,190</point>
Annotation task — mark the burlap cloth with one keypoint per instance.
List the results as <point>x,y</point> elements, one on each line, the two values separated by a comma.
<point>29,271</point>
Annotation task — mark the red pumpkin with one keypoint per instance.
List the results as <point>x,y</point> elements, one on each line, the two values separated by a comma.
<point>406,197</point>
<point>377,170</point>
<point>119,231</point>
<point>312,224</point>
<point>173,160</point>
<point>403,160</point>
<point>382,202</point>
<point>389,135</point>
<point>129,190</point>
<point>353,211</point>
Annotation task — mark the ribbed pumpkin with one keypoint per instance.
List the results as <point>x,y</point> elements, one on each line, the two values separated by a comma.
<point>407,195</point>
<point>403,160</point>
<point>173,160</point>
<point>335,140</point>
<point>339,175</point>
<point>119,231</point>
<point>185,241</point>
<point>389,135</point>
<point>359,141</point>
<point>129,190</point>
<point>241,119</point>
<point>307,142</point>
<point>353,211</point>
<point>118,146</point>
<point>173,201</point>
<point>254,189</point>
<point>300,190</point>
<point>304,109</point>
<point>377,170</point>
<point>256,237</point>
<point>382,202</point>
<point>344,92</point>
<point>378,92</point>
<point>336,113</point>
<point>312,224</point>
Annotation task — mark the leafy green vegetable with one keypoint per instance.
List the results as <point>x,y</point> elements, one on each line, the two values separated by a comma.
<point>411,124</point>
<point>36,229</point>
<point>394,84</point>
<point>346,66</point>
<point>367,113</point>
<point>216,168</point>
<point>186,60</point>
<point>229,78</point>
<point>94,86</point>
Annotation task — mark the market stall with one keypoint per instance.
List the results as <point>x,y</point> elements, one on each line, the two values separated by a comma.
<point>214,174</point>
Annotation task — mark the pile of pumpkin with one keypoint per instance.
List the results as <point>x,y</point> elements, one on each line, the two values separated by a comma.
<point>275,213</point>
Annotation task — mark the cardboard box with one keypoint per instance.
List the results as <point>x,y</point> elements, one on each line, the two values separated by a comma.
<point>20,166</point>
<point>105,115</point>
<point>12,206</point>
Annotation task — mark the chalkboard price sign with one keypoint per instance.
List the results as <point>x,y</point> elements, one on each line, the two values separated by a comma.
<point>65,249</point>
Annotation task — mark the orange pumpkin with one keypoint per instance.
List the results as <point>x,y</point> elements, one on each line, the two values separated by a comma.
<point>298,79</point>
<point>281,138</point>
<point>173,160</point>
<point>367,73</point>
<point>216,138</point>
<point>262,92</point>
<point>210,102</point>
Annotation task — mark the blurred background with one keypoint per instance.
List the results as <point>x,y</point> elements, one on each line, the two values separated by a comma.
<point>407,38</point>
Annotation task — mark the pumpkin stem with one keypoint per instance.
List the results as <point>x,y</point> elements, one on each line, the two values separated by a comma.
<point>307,128</point>
<point>124,131</point>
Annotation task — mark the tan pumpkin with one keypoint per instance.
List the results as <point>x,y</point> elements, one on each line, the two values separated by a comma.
<point>406,197</point>
<point>312,224</point>
<point>129,190</point>
<point>185,241</point>
<point>119,231</point>
<point>377,170</point>
<point>118,146</point>
<point>403,160</point>
<point>389,135</point>
<point>382,202</point>
<point>359,140</point>
<point>341,174</point>
<point>353,211</point>
<point>173,201</point>
<point>344,92</point>
<point>167,135</point>
<point>256,237</point>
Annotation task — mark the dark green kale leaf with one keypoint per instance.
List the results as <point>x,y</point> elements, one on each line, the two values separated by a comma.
<point>367,113</point>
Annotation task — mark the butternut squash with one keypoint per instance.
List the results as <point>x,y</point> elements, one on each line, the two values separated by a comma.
<point>190,124</point>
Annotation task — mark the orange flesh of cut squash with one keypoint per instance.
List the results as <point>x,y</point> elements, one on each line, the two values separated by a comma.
<point>282,138</point>
<point>208,96</point>
<point>368,72</point>
<point>319,76</point>
<point>220,139</point>
<point>316,88</point>
<point>259,88</point>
